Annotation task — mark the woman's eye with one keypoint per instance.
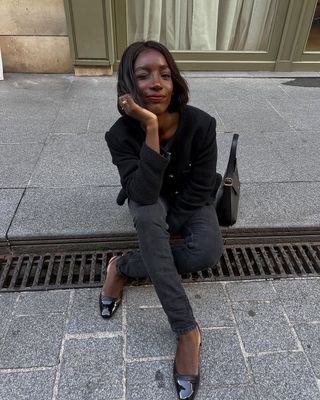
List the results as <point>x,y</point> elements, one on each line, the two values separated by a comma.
<point>166,75</point>
<point>142,76</point>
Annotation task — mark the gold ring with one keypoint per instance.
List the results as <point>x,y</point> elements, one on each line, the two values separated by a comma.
<point>124,102</point>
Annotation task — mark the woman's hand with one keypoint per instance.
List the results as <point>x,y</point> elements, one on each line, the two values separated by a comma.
<point>131,108</point>
<point>147,119</point>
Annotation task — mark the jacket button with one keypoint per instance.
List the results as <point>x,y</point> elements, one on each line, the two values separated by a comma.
<point>170,176</point>
<point>176,192</point>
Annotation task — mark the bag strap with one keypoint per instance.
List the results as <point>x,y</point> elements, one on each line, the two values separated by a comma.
<point>233,156</point>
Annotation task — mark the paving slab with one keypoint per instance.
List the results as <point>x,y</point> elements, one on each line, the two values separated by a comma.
<point>258,88</point>
<point>87,113</point>
<point>300,299</point>
<point>250,116</point>
<point>35,99</point>
<point>153,379</point>
<point>217,311</point>
<point>17,162</point>
<point>259,157</point>
<point>145,315</point>
<point>309,335</point>
<point>263,327</point>
<point>9,200</point>
<point>73,161</point>
<point>300,114</point>
<point>228,393</point>
<point>284,74</point>
<point>278,122</point>
<point>222,361</point>
<point>73,117</point>
<point>51,83</point>
<point>47,302</point>
<point>232,88</point>
<point>204,97</point>
<point>284,376</point>
<point>250,291</point>
<point>103,116</point>
<point>75,212</point>
<point>251,74</point>
<point>303,88</point>
<point>27,116</point>
<point>204,91</point>
<point>141,296</point>
<point>24,134</point>
<point>93,87</point>
<point>149,334</point>
<point>31,385</point>
<point>85,315</point>
<point>7,302</point>
<point>32,341</point>
<point>224,144</point>
<point>98,367</point>
<point>150,380</point>
<point>275,205</point>
<point>306,166</point>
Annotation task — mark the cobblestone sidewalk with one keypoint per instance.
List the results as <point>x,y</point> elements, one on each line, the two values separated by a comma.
<point>260,342</point>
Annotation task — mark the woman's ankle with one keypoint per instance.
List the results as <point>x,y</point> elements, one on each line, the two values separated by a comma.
<point>188,351</point>
<point>114,282</point>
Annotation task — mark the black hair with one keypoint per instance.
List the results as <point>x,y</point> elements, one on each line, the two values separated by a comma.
<point>127,81</point>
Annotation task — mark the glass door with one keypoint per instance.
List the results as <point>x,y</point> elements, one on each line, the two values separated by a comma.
<point>307,51</point>
<point>313,42</point>
<point>206,34</point>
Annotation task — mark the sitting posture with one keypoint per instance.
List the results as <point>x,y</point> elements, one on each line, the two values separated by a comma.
<point>166,154</point>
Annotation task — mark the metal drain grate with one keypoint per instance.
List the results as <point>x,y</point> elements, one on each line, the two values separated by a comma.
<point>84,269</point>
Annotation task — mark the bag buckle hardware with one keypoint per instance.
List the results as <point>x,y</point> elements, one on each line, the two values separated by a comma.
<point>228,182</point>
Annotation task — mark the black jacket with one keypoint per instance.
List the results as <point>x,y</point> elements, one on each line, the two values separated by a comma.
<point>186,175</point>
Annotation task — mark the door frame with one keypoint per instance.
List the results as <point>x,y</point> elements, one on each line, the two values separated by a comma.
<point>292,55</point>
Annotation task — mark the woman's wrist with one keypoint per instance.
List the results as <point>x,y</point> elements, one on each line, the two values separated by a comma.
<point>151,125</point>
<point>152,136</point>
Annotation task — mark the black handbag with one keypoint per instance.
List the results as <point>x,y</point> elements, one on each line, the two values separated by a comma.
<point>228,194</point>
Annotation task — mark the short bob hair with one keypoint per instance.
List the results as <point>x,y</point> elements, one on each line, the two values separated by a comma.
<point>127,79</point>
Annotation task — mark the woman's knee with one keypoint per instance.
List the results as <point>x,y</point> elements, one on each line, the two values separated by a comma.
<point>206,252</point>
<point>147,216</point>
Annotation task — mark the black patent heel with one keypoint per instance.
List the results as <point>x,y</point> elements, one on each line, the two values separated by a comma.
<point>108,305</point>
<point>187,385</point>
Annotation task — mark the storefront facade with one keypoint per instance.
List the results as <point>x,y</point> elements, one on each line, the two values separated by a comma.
<point>217,35</point>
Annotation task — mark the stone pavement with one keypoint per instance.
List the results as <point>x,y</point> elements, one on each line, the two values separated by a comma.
<point>57,179</point>
<point>260,341</point>
<point>260,338</point>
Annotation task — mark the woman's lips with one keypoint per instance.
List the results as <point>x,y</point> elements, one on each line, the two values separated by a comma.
<point>156,99</point>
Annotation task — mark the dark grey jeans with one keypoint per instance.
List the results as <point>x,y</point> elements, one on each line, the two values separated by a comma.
<point>163,263</point>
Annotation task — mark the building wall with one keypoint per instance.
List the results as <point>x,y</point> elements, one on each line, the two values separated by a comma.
<point>33,36</point>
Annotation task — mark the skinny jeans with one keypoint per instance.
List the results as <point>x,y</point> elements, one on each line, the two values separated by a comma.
<point>164,263</point>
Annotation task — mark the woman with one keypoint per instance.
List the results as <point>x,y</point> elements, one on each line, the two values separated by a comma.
<point>166,155</point>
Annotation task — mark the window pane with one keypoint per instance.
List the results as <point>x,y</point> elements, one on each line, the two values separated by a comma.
<point>203,25</point>
<point>313,43</point>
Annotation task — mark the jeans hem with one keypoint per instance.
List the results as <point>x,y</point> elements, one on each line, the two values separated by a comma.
<point>118,268</point>
<point>182,331</point>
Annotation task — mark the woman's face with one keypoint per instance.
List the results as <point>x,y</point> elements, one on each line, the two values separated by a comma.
<point>153,81</point>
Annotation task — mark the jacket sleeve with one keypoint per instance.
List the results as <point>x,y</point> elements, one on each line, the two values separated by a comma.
<point>202,181</point>
<point>141,174</point>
